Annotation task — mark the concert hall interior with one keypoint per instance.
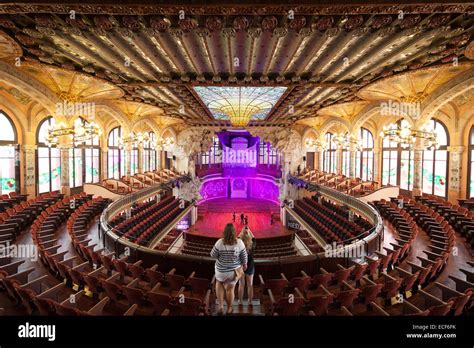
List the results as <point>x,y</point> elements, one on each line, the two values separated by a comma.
<point>329,146</point>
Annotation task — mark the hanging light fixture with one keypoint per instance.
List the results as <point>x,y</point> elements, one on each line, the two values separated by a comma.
<point>346,141</point>
<point>78,133</point>
<point>315,144</point>
<point>134,140</point>
<point>406,136</point>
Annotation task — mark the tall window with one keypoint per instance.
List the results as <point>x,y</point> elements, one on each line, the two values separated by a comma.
<point>149,153</point>
<point>8,155</point>
<point>365,158</point>
<point>394,157</point>
<point>134,161</point>
<point>92,160</point>
<point>115,155</point>
<point>48,166</point>
<point>267,154</point>
<point>216,153</point>
<point>435,162</point>
<point>84,161</point>
<point>330,154</point>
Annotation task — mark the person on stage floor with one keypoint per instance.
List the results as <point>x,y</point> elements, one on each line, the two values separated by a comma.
<point>231,263</point>
<point>233,216</point>
<point>246,220</point>
<point>242,218</point>
<point>250,243</point>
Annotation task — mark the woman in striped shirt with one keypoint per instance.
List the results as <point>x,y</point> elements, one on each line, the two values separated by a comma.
<point>230,255</point>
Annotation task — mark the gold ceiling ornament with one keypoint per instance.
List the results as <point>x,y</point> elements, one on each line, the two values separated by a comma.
<point>406,136</point>
<point>347,111</point>
<point>78,134</point>
<point>412,86</point>
<point>136,110</point>
<point>72,85</point>
<point>9,49</point>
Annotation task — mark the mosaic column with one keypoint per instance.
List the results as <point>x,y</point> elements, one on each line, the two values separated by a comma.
<point>454,173</point>
<point>417,168</point>
<point>29,169</point>
<point>64,151</point>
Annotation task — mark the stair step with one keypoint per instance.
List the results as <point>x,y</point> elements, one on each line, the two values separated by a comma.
<point>244,309</point>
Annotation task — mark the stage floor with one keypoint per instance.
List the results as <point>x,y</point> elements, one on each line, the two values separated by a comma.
<point>215,214</point>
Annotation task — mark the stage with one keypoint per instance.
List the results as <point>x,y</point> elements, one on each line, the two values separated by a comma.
<point>216,213</point>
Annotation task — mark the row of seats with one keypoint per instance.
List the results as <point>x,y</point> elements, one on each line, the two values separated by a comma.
<point>281,246</point>
<point>351,186</point>
<point>461,219</point>
<point>16,218</point>
<point>333,227</point>
<point>128,285</point>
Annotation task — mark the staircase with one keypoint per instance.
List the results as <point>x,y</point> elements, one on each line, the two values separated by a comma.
<point>242,310</point>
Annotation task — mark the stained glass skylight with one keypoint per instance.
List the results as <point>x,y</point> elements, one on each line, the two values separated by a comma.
<point>239,104</point>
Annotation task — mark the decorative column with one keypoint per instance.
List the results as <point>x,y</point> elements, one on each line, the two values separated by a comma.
<point>104,172</point>
<point>377,165</point>
<point>29,169</point>
<point>64,151</point>
<point>127,150</point>
<point>321,159</point>
<point>339,160</point>
<point>454,173</point>
<point>352,159</point>
<point>140,159</point>
<point>417,167</point>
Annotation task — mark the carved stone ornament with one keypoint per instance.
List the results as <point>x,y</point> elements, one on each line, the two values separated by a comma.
<point>469,51</point>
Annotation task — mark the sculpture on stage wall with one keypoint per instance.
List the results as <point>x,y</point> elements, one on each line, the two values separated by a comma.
<point>194,140</point>
<point>191,191</point>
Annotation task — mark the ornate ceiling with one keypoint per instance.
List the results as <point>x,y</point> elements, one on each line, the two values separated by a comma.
<point>158,53</point>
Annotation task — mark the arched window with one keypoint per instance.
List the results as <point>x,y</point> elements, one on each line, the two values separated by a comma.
<point>48,166</point>
<point>149,153</point>
<point>365,157</point>
<point>115,155</point>
<point>330,154</point>
<point>84,161</point>
<point>9,163</point>
<point>435,162</point>
<point>394,156</point>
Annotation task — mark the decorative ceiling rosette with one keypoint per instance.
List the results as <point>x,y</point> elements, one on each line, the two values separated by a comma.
<point>269,23</point>
<point>134,111</point>
<point>346,111</point>
<point>214,23</point>
<point>160,23</point>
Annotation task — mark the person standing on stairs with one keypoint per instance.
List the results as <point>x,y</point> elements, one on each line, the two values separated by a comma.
<point>250,243</point>
<point>231,262</point>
